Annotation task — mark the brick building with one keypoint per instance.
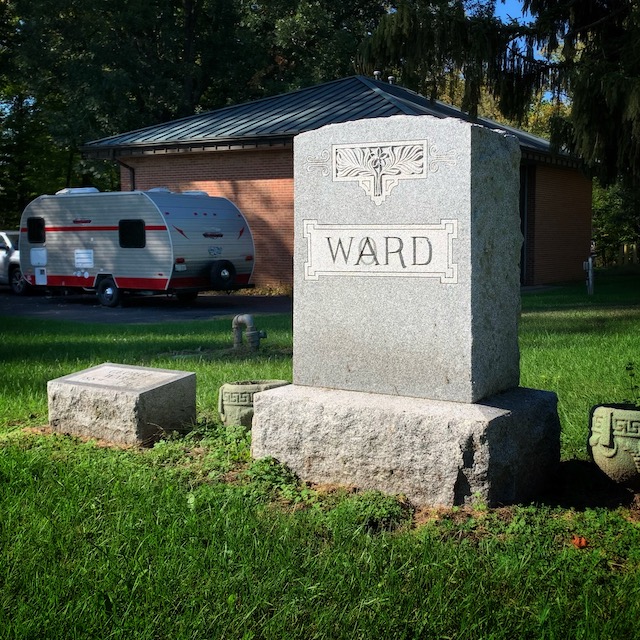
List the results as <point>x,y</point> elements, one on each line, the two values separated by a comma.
<point>245,153</point>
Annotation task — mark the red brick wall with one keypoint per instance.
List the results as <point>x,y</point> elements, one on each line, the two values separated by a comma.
<point>260,183</point>
<point>562,224</point>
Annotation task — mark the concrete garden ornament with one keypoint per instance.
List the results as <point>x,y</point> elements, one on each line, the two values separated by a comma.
<point>235,400</point>
<point>614,437</point>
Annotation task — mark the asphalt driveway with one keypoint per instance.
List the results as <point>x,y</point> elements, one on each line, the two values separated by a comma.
<point>139,310</point>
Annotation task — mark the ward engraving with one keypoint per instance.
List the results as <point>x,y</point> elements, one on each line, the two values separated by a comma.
<point>402,250</point>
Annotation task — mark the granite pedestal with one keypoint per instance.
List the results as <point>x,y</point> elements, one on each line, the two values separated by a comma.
<point>499,451</point>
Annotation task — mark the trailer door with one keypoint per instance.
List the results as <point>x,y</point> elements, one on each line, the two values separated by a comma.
<point>36,237</point>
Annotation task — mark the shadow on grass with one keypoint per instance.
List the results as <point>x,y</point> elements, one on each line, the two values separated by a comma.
<point>581,485</point>
<point>614,288</point>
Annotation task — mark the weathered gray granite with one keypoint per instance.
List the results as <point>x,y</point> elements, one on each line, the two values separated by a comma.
<point>407,250</point>
<point>405,333</point>
<point>122,403</point>
<point>502,450</point>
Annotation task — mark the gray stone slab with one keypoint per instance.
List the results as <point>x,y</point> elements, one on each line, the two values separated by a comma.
<point>406,266</point>
<point>122,403</point>
<point>502,450</point>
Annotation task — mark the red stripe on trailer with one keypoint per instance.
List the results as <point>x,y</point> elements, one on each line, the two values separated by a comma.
<point>98,228</point>
<point>69,281</point>
<point>153,284</point>
<point>142,283</point>
<point>93,228</point>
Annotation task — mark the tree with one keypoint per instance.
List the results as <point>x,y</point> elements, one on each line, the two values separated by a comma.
<point>118,65</point>
<point>616,219</point>
<point>298,43</point>
<point>599,68</point>
<point>438,46</point>
<point>81,71</point>
<point>585,52</point>
<point>72,71</point>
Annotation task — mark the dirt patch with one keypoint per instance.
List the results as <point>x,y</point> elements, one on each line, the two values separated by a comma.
<point>102,444</point>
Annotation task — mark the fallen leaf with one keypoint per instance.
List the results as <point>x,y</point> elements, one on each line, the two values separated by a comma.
<point>579,542</point>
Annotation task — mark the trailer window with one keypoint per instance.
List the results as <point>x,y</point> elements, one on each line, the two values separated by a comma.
<point>132,234</point>
<point>35,230</point>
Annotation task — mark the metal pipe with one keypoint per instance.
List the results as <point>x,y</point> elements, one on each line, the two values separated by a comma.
<point>253,335</point>
<point>132,173</point>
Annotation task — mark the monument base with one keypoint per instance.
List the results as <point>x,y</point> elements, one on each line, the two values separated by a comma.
<point>502,450</point>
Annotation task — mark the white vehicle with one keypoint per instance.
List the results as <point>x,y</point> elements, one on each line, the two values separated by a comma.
<point>10,262</point>
<point>151,241</point>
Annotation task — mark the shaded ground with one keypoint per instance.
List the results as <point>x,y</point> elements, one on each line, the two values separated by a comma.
<point>139,310</point>
<point>580,485</point>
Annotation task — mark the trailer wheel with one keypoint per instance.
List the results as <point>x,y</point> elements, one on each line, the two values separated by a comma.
<point>108,294</point>
<point>223,275</point>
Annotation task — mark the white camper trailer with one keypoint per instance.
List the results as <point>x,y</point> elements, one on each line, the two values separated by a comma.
<point>151,241</point>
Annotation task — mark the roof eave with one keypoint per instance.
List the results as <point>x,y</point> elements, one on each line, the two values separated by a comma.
<point>551,158</point>
<point>113,152</point>
<point>279,141</point>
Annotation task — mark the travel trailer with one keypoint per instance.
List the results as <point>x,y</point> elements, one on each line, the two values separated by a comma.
<point>151,241</point>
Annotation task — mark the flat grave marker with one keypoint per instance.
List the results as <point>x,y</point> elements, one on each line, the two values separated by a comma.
<point>122,403</point>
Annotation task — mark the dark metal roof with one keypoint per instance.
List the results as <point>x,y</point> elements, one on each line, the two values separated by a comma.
<point>274,121</point>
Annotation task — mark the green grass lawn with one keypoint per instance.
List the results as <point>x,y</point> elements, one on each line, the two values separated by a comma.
<point>578,346</point>
<point>190,539</point>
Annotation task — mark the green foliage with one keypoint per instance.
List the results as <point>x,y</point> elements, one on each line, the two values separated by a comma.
<point>437,43</point>
<point>616,219</point>
<point>120,65</point>
<point>582,53</point>
<point>600,71</point>
<point>90,70</point>
<point>368,512</point>
<point>74,71</point>
<point>270,479</point>
<point>209,452</point>
<point>297,43</point>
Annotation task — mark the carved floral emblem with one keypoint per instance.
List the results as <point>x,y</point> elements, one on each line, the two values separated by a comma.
<point>379,167</point>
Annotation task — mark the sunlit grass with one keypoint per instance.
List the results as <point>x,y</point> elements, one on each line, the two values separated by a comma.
<point>578,346</point>
<point>190,539</point>
<point>35,351</point>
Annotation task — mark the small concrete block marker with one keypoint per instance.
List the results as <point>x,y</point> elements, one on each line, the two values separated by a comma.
<point>122,403</point>
<point>406,365</point>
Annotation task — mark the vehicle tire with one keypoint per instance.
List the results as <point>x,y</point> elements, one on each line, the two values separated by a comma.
<point>108,294</point>
<point>223,275</point>
<point>18,284</point>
